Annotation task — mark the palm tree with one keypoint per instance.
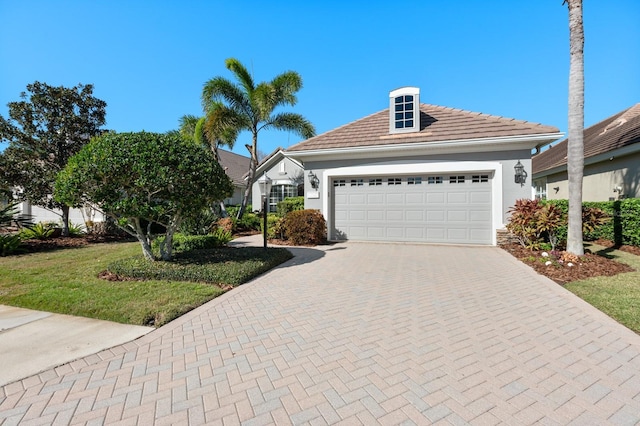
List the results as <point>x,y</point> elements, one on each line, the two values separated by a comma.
<point>575,148</point>
<point>232,108</point>
<point>193,127</point>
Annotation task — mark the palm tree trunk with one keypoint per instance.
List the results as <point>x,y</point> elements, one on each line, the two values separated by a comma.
<point>575,150</point>
<point>253,164</point>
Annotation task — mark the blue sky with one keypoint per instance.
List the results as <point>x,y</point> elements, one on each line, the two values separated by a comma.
<point>149,59</point>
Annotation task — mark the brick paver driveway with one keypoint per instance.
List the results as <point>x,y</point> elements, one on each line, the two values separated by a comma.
<point>361,334</point>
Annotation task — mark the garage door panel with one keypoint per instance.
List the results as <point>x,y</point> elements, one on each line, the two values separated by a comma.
<point>395,215</point>
<point>373,199</point>
<point>457,216</point>
<point>457,198</point>
<point>439,210</point>
<point>395,198</point>
<point>414,215</point>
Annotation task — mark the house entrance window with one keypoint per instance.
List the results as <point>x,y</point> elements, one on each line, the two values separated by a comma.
<point>279,193</point>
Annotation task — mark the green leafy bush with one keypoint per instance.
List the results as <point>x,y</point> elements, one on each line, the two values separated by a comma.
<point>201,223</point>
<point>290,204</point>
<point>10,244</point>
<point>39,231</point>
<point>76,229</point>
<point>223,266</point>
<point>305,227</point>
<point>249,222</point>
<point>274,226</point>
<point>184,243</point>
<point>11,217</point>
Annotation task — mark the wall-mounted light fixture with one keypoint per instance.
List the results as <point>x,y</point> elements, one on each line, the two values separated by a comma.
<point>521,175</point>
<point>313,179</point>
<point>556,188</point>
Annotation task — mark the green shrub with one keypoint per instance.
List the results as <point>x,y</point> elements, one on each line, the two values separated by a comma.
<point>201,223</point>
<point>223,266</point>
<point>39,231</point>
<point>76,229</point>
<point>10,244</point>
<point>305,227</point>
<point>622,228</point>
<point>11,217</point>
<point>274,226</point>
<point>249,222</point>
<point>290,204</point>
<point>184,243</point>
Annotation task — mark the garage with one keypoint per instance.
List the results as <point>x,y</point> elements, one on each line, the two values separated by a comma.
<point>450,208</point>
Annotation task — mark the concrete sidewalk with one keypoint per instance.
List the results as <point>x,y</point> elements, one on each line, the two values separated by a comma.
<point>34,341</point>
<point>359,333</point>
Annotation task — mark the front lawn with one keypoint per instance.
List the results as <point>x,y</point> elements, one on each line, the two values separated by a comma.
<point>66,281</point>
<point>617,296</point>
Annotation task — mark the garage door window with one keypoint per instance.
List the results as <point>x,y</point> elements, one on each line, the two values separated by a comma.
<point>394,181</point>
<point>479,178</point>
<point>414,181</point>
<point>357,182</point>
<point>456,179</point>
<point>434,180</point>
<point>340,182</point>
<point>375,182</point>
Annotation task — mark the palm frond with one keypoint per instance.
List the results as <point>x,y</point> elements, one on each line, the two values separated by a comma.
<point>221,89</point>
<point>285,86</point>
<point>188,125</point>
<point>292,122</point>
<point>241,73</point>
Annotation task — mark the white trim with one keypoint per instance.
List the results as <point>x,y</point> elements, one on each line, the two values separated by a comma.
<point>422,168</point>
<point>503,143</point>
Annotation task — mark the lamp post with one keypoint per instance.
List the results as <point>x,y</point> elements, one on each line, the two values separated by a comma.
<point>265,188</point>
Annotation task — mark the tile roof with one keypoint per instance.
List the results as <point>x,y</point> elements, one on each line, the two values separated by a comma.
<point>619,130</point>
<point>235,165</point>
<point>437,124</point>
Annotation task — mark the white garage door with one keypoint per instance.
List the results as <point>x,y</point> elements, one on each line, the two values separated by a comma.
<point>442,208</point>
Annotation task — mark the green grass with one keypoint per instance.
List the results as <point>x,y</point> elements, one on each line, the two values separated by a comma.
<point>65,281</point>
<point>617,296</point>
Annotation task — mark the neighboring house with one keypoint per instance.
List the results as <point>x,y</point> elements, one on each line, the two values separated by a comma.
<point>420,173</point>
<point>611,161</point>
<point>235,166</point>
<point>287,179</point>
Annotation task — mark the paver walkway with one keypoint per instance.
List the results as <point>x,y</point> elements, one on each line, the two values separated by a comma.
<point>360,334</point>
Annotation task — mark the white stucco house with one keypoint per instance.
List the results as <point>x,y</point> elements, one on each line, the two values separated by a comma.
<point>419,173</point>
<point>287,179</point>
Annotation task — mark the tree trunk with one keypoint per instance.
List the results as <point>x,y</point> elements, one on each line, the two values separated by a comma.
<point>144,241</point>
<point>166,248</point>
<point>252,173</point>
<point>216,155</point>
<point>575,150</point>
<point>65,221</point>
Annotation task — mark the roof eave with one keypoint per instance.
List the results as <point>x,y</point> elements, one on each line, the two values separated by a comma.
<point>504,143</point>
<point>609,155</point>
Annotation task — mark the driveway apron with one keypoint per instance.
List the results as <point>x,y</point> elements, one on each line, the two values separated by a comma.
<point>360,333</point>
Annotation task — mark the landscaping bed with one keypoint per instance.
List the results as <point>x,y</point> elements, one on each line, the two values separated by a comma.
<point>588,266</point>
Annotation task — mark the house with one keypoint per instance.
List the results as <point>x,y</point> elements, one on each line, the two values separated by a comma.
<point>611,161</point>
<point>287,179</point>
<point>235,166</point>
<point>420,173</point>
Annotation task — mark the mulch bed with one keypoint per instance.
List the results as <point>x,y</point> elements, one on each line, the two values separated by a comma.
<point>589,265</point>
<point>33,246</point>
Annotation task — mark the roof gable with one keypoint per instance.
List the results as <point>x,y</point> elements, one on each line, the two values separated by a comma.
<point>619,130</point>
<point>437,124</point>
<point>234,165</point>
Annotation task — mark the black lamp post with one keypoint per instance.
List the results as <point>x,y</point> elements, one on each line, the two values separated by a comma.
<point>265,188</point>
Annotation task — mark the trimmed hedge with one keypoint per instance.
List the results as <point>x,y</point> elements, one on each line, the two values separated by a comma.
<point>624,228</point>
<point>290,204</point>
<point>183,243</point>
<point>223,266</point>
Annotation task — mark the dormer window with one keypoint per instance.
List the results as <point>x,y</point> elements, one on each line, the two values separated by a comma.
<point>404,110</point>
